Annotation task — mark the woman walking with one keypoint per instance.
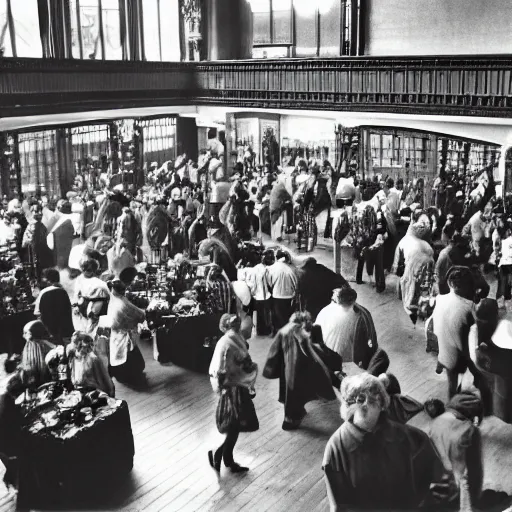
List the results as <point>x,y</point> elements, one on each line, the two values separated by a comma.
<point>126,361</point>
<point>232,375</point>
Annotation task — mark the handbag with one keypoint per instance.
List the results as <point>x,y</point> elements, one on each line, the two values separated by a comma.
<point>235,411</point>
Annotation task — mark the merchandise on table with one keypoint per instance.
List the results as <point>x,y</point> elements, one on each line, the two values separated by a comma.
<point>15,285</point>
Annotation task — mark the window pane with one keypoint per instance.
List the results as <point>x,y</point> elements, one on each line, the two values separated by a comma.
<point>261,28</point>
<point>38,163</point>
<point>26,28</point>
<point>170,23</point>
<point>90,23</point>
<point>75,44</point>
<point>306,43</point>
<point>159,140</point>
<point>330,30</point>
<point>261,21</point>
<point>151,40</point>
<point>282,17</point>
<point>111,30</point>
<point>5,36</point>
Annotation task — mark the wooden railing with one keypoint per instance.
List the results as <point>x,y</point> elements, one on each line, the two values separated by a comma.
<point>480,86</point>
<point>471,86</point>
<point>35,86</point>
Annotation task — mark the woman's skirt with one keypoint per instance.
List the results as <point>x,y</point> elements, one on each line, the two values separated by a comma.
<point>132,369</point>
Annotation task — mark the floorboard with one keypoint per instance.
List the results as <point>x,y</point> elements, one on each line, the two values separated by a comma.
<point>173,421</point>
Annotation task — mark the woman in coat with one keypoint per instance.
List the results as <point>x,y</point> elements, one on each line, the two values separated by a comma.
<point>414,264</point>
<point>232,376</point>
<point>372,462</point>
<point>302,374</point>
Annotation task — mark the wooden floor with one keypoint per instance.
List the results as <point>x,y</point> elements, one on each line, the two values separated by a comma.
<point>173,426</point>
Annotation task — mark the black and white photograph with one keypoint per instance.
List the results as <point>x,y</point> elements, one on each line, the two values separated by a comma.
<point>255,255</point>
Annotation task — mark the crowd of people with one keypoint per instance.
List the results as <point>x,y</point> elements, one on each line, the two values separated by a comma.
<point>88,329</point>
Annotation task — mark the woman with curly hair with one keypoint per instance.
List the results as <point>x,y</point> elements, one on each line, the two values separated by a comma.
<point>86,369</point>
<point>372,462</point>
<point>232,375</point>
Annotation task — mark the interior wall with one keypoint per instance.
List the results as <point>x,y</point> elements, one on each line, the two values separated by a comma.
<point>438,27</point>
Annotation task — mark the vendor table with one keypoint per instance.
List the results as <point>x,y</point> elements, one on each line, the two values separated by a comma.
<point>182,341</point>
<point>11,327</point>
<point>70,465</point>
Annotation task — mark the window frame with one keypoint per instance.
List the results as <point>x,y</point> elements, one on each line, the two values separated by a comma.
<point>272,43</point>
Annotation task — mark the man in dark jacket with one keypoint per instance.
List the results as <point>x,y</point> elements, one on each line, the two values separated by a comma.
<point>316,284</point>
<point>53,307</point>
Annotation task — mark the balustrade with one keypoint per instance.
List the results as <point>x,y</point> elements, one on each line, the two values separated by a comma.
<point>473,86</point>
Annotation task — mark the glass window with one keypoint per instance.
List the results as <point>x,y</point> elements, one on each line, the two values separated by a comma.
<point>38,163</point>
<point>95,34</point>
<point>111,29</point>
<point>6,49</point>
<point>85,30</point>
<point>272,22</point>
<point>161,30</point>
<point>26,28</point>
<point>159,140</point>
<point>19,36</point>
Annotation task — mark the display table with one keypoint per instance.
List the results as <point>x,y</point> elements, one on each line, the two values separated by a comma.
<point>71,464</point>
<point>182,341</point>
<point>12,341</point>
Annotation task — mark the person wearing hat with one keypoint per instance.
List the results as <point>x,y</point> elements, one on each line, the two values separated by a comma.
<point>348,327</point>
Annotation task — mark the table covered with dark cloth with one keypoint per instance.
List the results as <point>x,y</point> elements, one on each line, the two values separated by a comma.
<point>11,327</point>
<point>72,465</point>
<point>181,341</point>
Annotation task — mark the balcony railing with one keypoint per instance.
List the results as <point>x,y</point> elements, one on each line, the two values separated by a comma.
<point>480,86</point>
<point>470,86</point>
<point>34,86</point>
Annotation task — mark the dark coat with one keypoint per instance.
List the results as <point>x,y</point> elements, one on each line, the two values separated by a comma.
<point>316,284</point>
<point>56,313</point>
<point>302,374</point>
